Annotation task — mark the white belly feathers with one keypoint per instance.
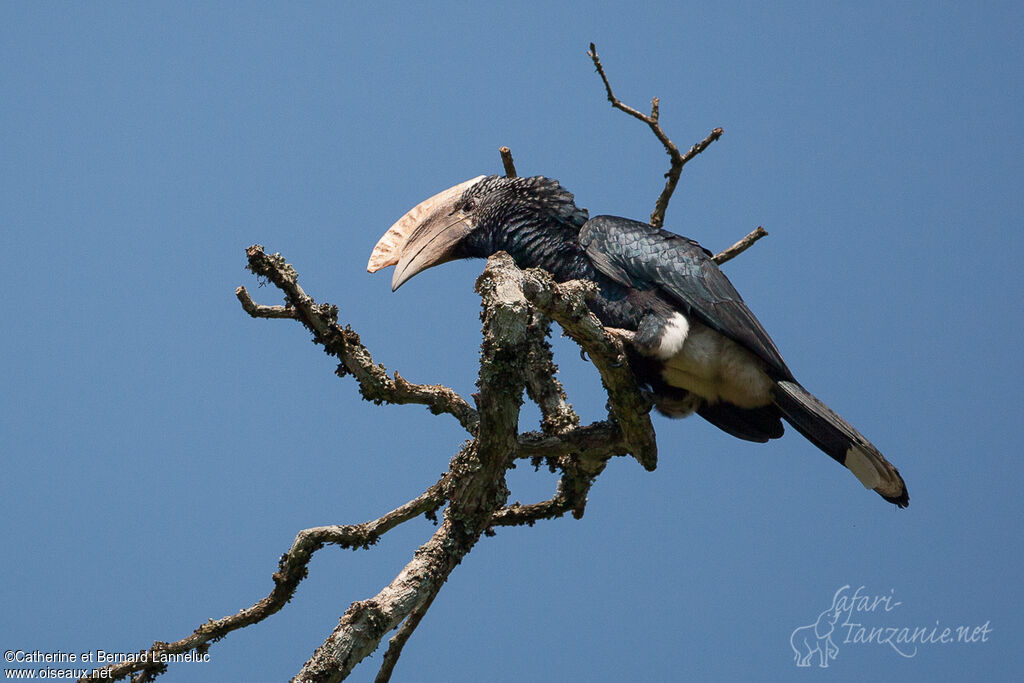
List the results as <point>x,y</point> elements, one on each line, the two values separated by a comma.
<point>711,365</point>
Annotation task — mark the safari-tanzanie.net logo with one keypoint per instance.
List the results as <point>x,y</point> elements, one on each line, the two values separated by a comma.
<point>856,617</point>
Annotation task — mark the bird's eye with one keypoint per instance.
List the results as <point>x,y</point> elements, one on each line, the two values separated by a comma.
<point>469,205</point>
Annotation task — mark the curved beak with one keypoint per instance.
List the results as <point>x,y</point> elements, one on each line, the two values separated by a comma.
<point>425,236</point>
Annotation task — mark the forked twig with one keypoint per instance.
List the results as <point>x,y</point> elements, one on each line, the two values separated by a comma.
<point>678,159</point>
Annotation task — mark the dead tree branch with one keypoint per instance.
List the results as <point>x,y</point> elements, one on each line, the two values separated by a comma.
<point>343,343</point>
<point>478,487</point>
<point>600,441</point>
<point>740,247</point>
<point>398,641</point>
<point>566,304</point>
<point>678,159</point>
<point>506,161</point>
<point>259,311</point>
<point>291,571</point>
<point>516,357</point>
<point>542,385</point>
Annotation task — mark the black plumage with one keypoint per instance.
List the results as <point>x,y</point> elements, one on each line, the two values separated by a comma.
<point>696,345</point>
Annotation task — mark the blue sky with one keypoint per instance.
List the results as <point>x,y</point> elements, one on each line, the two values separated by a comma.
<point>161,448</point>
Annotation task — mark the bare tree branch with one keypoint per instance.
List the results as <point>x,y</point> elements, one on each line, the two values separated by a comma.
<point>678,160</point>
<point>740,247</point>
<point>560,420</point>
<point>542,385</point>
<point>258,311</point>
<point>478,487</point>
<point>398,641</point>
<point>600,440</point>
<point>518,514</point>
<point>506,161</point>
<point>566,304</point>
<point>517,356</point>
<point>344,344</point>
<point>291,571</point>
<point>578,475</point>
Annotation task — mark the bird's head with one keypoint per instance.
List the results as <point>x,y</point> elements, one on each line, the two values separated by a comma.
<point>476,218</point>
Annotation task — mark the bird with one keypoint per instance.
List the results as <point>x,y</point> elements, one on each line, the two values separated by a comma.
<point>694,345</point>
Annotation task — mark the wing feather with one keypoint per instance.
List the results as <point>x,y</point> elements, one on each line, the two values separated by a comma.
<point>636,255</point>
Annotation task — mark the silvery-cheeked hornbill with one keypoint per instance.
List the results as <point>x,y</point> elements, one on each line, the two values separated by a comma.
<point>696,345</point>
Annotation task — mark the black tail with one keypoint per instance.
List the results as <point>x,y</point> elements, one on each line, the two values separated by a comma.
<point>846,445</point>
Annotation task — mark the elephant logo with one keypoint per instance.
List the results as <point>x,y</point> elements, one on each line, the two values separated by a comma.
<point>816,637</point>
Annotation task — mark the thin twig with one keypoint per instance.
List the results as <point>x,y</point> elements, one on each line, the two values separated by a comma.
<point>678,160</point>
<point>506,161</point>
<point>741,246</point>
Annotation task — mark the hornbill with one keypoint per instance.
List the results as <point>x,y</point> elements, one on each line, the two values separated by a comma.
<point>695,344</point>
